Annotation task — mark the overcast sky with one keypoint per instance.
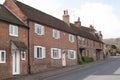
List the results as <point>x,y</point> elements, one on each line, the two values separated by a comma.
<point>104,15</point>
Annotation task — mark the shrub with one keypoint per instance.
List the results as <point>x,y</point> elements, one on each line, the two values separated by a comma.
<point>79,58</point>
<point>87,59</point>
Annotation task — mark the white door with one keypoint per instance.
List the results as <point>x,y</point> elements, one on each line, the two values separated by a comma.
<point>63,59</point>
<point>16,62</point>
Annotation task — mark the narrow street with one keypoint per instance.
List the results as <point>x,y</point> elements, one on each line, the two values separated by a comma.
<point>104,70</point>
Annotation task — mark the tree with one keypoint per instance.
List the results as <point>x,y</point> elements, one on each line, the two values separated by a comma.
<point>113,47</point>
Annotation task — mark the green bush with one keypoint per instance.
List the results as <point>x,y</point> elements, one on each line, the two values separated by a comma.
<point>87,59</point>
<point>79,58</point>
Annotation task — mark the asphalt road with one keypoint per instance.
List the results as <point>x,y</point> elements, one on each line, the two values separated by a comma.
<point>104,70</point>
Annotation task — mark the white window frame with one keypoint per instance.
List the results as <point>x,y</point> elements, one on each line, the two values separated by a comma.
<point>73,53</point>
<point>13,30</point>
<point>43,52</point>
<point>23,53</point>
<point>56,34</point>
<point>71,38</point>
<point>4,61</point>
<point>39,29</point>
<point>59,53</point>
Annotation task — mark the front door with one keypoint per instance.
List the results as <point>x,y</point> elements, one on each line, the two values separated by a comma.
<point>63,59</point>
<point>16,62</point>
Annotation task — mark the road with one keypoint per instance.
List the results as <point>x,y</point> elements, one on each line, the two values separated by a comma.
<point>104,70</point>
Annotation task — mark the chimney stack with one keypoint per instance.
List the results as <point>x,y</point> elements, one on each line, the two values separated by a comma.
<point>78,23</point>
<point>100,35</point>
<point>66,17</point>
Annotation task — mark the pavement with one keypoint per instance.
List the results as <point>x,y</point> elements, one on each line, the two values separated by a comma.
<point>47,74</point>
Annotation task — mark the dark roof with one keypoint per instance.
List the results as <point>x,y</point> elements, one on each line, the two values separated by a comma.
<point>7,16</point>
<point>46,19</point>
<point>84,32</point>
<point>43,18</point>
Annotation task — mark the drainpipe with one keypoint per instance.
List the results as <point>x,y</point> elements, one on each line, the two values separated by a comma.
<point>29,67</point>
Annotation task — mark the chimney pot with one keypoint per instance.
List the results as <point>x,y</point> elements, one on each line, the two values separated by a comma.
<point>65,12</point>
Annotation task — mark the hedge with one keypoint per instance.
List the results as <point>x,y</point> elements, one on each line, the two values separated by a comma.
<point>87,59</point>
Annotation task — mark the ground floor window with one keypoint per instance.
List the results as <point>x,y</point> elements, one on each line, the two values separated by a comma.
<point>39,52</point>
<point>23,55</point>
<point>2,56</point>
<point>71,54</point>
<point>55,53</point>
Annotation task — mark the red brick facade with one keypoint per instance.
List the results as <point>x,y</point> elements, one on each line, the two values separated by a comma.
<point>29,37</point>
<point>46,40</point>
<point>49,42</point>
<point>5,44</point>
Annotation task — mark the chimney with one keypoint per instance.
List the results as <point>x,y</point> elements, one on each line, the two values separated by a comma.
<point>92,28</point>
<point>100,35</point>
<point>12,7</point>
<point>66,17</point>
<point>78,23</point>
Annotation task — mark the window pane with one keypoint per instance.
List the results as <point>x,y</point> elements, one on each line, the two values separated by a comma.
<point>40,53</point>
<point>2,56</point>
<point>55,54</point>
<point>11,29</point>
<point>37,52</point>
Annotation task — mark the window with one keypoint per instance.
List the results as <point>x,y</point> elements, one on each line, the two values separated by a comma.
<point>23,55</point>
<point>55,53</point>
<point>2,56</point>
<point>56,34</point>
<point>39,29</point>
<point>13,30</point>
<point>71,38</point>
<point>72,54</point>
<point>39,52</point>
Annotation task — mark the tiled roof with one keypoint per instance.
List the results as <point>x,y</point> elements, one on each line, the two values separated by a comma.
<point>7,16</point>
<point>84,32</point>
<point>43,18</point>
<point>46,19</point>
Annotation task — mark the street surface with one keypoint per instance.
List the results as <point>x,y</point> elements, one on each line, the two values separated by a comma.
<point>104,70</point>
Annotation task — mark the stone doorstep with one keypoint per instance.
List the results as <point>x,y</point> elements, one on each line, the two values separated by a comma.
<point>50,73</point>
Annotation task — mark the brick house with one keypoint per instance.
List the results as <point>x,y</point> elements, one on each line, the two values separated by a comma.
<point>45,43</point>
<point>13,44</point>
<point>52,42</point>
<point>89,41</point>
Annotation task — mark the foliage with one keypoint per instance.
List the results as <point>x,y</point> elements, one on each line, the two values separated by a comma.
<point>79,58</point>
<point>87,59</point>
<point>118,51</point>
<point>113,47</point>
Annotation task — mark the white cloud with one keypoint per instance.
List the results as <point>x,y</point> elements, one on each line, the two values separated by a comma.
<point>101,16</point>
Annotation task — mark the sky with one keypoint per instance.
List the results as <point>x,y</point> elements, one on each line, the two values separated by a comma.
<point>104,15</point>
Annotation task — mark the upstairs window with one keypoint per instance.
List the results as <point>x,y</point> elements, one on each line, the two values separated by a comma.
<point>2,56</point>
<point>39,29</point>
<point>39,52</point>
<point>56,34</point>
<point>72,54</point>
<point>71,38</point>
<point>13,30</point>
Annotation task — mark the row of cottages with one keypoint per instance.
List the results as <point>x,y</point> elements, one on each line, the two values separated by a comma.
<point>32,41</point>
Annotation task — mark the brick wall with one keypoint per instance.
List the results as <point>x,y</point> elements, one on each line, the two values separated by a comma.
<point>49,42</point>
<point>5,44</point>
